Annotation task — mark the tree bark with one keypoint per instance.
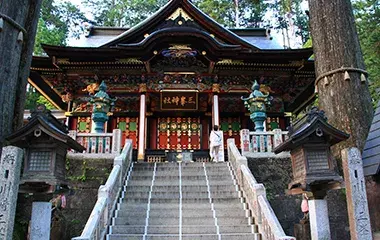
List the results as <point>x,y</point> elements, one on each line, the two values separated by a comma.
<point>347,103</point>
<point>15,58</point>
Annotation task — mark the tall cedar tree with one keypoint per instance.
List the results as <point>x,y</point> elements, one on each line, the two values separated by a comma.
<point>15,62</point>
<point>335,41</point>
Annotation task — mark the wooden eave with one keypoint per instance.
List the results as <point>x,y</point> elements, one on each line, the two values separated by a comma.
<point>187,32</point>
<point>19,137</point>
<point>144,51</point>
<point>161,15</point>
<point>297,137</point>
<point>45,89</point>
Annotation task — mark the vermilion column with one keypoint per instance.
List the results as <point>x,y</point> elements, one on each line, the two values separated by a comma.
<point>142,123</point>
<point>215,105</point>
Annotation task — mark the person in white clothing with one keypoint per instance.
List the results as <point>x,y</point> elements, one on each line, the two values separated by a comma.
<point>215,143</point>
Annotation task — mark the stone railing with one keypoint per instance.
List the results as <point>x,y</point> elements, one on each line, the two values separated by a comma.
<point>100,217</point>
<point>95,143</point>
<point>261,143</point>
<point>269,226</point>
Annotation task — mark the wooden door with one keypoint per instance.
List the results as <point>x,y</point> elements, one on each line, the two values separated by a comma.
<point>231,129</point>
<point>129,128</point>
<point>177,133</point>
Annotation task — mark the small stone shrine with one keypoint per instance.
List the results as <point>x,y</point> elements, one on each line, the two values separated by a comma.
<point>46,142</point>
<point>314,169</point>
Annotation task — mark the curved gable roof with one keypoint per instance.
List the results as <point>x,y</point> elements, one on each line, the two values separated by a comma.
<point>176,8</point>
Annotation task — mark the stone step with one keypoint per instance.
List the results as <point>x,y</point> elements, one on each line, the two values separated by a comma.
<point>159,178</point>
<point>176,183</point>
<point>232,236</point>
<point>174,212</point>
<point>174,229</point>
<point>170,213</point>
<point>184,200</point>
<point>184,188</point>
<point>174,220</point>
<point>125,206</point>
<point>185,194</point>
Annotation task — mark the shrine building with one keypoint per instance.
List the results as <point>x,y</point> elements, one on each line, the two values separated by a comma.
<point>175,75</point>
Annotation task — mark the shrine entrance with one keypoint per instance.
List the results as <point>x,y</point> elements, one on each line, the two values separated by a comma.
<point>179,133</point>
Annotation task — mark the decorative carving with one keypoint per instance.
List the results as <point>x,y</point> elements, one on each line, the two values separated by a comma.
<point>91,88</point>
<point>179,51</point>
<point>188,63</point>
<point>215,88</point>
<point>67,97</point>
<point>179,13</point>
<point>142,88</point>
<point>315,112</point>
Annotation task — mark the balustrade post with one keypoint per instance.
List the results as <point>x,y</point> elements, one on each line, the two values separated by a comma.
<point>116,141</point>
<point>229,152</point>
<point>258,190</point>
<point>73,134</point>
<point>244,139</point>
<point>103,192</point>
<point>269,143</point>
<point>277,137</point>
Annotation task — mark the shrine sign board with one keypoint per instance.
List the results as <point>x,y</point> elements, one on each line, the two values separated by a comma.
<point>179,100</point>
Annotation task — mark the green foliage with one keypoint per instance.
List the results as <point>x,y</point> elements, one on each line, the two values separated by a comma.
<point>47,103</point>
<point>122,13</point>
<point>34,98</point>
<point>367,15</point>
<point>58,21</point>
<point>222,11</point>
<point>127,13</point>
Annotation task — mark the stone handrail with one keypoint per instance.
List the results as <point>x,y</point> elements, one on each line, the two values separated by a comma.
<point>269,226</point>
<point>95,143</point>
<point>100,217</point>
<point>261,142</point>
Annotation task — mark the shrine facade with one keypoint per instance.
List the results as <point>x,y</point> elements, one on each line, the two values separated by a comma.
<point>174,76</point>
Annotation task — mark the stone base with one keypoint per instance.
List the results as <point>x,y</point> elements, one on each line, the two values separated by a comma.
<point>302,231</point>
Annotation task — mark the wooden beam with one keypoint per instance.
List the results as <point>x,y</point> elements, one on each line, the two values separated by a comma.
<point>147,66</point>
<point>211,67</point>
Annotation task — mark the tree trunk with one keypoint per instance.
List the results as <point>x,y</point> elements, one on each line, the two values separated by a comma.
<point>15,58</point>
<point>347,103</point>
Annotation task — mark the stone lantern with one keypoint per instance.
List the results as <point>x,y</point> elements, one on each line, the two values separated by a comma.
<point>45,142</point>
<point>102,104</point>
<point>256,106</point>
<point>309,141</point>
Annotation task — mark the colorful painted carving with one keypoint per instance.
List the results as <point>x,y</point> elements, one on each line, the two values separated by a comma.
<point>91,88</point>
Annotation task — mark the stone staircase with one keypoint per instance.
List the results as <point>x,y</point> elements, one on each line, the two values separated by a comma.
<point>164,201</point>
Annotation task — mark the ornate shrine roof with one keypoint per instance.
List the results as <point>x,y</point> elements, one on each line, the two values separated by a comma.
<point>177,39</point>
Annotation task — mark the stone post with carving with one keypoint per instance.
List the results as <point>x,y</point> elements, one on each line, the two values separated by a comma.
<point>10,167</point>
<point>357,204</point>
